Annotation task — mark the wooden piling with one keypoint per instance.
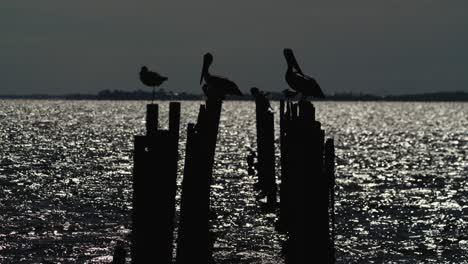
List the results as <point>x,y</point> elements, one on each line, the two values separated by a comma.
<point>154,189</point>
<point>284,206</point>
<point>304,186</point>
<point>152,113</point>
<point>210,131</point>
<point>266,152</point>
<point>174,118</point>
<point>329,168</point>
<point>194,239</point>
<point>120,254</point>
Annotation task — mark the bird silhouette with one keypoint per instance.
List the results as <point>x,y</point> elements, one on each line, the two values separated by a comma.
<point>261,98</point>
<point>216,87</point>
<point>298,81</point>
<point>151,79</point>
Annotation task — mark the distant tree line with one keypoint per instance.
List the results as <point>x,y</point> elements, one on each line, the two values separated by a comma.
<point>162,94</point>
<point>423,97</point>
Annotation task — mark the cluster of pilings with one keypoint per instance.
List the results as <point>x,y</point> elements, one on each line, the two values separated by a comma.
<point>306,190</point>
<point>154,188</point>
<point>306,211</point>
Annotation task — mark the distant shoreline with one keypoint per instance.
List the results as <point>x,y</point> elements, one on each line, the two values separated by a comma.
<point>162,95</point>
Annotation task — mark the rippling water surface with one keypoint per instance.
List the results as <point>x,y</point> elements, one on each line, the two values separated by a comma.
<point>402,189</point>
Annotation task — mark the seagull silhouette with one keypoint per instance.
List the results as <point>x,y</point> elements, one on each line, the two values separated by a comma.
<point>151,79</point>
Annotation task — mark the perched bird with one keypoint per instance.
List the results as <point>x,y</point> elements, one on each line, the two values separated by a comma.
<point>216,87</point>
<point>298,81</point>
<point>261,98</point>
<point>151,79</point>
<point>288,94</point>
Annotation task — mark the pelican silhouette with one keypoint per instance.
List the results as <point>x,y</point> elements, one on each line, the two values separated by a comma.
<point>298,81</point>
<point>216,87</point>
<point>151,79</point>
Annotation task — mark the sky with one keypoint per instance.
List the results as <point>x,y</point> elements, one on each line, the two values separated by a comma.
<point>360,46</point>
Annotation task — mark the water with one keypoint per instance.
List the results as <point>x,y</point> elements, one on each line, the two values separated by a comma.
<point>402,191</point>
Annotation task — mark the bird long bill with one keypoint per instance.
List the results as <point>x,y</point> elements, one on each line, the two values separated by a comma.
<point>204,69</point>
<point>295,64</point>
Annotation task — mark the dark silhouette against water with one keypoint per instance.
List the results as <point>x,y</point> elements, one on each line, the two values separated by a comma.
<point>155,159</point>
<point>216,87</point>
<point>306,188</point>
<point>261,99</point>
<point>119,253</point>
<point>162,95</point>
<point>288,94</point>
<point>151,79</point>
<point>298,81</point>
<point>265,167</point>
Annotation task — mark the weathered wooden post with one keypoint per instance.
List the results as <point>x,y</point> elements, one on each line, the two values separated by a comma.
<point>304,216</point>
<point>210,129</point>
<point>295,227</point>
<point>194,239</point>
<point>266,150</point>
<point>152,114</point>
<point>154,189</point>
<point>120,254</point>
<point>329,168</point>
<point>317,181</point>
<point>285,187</point>
<point>174,119</point>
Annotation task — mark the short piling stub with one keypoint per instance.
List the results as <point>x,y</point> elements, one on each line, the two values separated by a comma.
<point>152,112</point>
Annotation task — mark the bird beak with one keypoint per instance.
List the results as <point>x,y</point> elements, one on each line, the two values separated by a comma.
<point>295,64</point>
<point>204,70</point>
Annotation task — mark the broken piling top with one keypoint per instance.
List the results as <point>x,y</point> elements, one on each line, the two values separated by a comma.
<point>152,115</point>
<point>174,118</point>
<point>152,118</point>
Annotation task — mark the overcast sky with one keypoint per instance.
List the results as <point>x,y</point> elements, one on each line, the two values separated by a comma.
<point>375,46</point>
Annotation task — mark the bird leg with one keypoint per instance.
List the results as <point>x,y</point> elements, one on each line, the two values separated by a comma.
<point>152,100</point>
